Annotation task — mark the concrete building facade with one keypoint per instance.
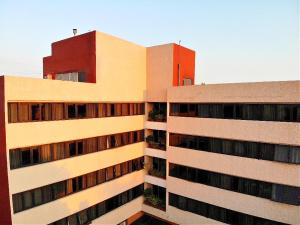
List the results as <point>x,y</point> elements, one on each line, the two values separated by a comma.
<point>116,130</point>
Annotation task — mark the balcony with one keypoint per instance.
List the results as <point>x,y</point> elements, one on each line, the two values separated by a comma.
<point>158,112</point>
<point>155,196</point>
<point>156,139</point>
<point>156,167</point>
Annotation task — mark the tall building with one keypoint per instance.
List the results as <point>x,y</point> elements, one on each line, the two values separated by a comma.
<point>117,133</point>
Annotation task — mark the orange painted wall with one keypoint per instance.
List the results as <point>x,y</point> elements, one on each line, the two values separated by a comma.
<point>186,58</point>
<point>5,215</point>
<point>75,54</point>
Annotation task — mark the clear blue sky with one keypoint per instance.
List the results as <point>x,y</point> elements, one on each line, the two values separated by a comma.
<point>235,40</point>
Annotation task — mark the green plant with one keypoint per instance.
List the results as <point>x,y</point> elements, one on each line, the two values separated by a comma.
<point>148,192</point>
<point>151,198</point>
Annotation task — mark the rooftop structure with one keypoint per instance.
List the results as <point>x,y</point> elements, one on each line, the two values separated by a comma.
<point>116,132</point>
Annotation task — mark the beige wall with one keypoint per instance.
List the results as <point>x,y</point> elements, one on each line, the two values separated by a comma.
<point>123,213</point>
<point>155,180</point>
<point>155,153</point>
<point>262,92</point>
<point>79,201</point>
<point>159,72</point>
<point>59,170</point>
<point>36,133</point>
<point>178,216</point>
<point>257,131</point>
<point>120,69</point>
<point>235,201</point>
<point>155,125</point>
<point>263,170</point>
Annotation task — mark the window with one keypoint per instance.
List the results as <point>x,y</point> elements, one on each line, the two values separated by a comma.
<point>272,152</point>
<point>101,175</point>
<point>228,111</point>
<point>37,193</point>
<point>25,154</point>
<point>260,112</point>
<point>72,149</point>
<point>35,155</point>
<point>91,179</point>
<point>117,170</point>
<point>80,148</point>
<point>215,212</point>
<point>71,111</point>
<point>124,168</point>
<point>17,203</point>
<point>12,112</point>
<point>57,111</point>
<point>22,157</point>
<point>35,112</point>
<point>46,112</point>
<point>82,217</point>
<point>280,193</point>
<point>81,111</point>
<point>58,190</point>
<point>23,112</point>
<point>27,200</point>
<point>109,173</point>
<point>47,194</point>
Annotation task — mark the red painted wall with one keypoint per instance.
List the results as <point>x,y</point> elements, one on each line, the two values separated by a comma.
<point>5,214</point>
<point>75,54</point>
<point>186,58</point>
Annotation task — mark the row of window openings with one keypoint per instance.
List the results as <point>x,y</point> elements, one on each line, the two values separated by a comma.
<point>87,215</point>
<point>275,192</point>
<point>217,213</point>
<point>264,151</point>
<point>262,112</point>
<point>26,112</point>
<point>42,195</point>
<point>22,157</point>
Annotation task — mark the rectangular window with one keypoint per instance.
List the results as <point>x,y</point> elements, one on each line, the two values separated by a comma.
<point>27,200</point>
<point>47,194</point>
<point>35,112</point>
<point>71,108</point>
<point>72,149</point>
<point>17,203</point>
<point>91,110</point>
<point>25,157</point>
<point>101,176</point>
<point>80,147</point>
<point>117,170</point>
<point>13,112</point>
<point>58,190</point>
<point>23,112</point>
<point>81,111</point>
<point>58,151</point>
<point>109,173</point>
<point>37,193</point>
<point>91,179</point>
<point>45,154</point>
<point>46,111</point>
<point>57,111</point>
<point>35,155</point>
